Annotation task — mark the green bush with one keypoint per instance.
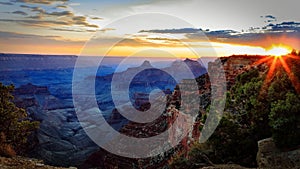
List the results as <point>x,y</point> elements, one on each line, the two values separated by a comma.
<point>257,110</point>
<point>285,121</point>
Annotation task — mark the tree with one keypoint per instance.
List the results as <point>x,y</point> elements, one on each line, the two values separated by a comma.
<point>15,127</point>
<point>257,110</point>
<point>285,121</point>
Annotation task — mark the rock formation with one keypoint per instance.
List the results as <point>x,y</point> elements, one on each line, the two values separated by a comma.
<point>61,139</point>
<point>269,156</point>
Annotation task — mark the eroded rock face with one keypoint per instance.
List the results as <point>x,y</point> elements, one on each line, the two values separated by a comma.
<point>61,139</point>
<point>269,156</point>
<point>104,159</point>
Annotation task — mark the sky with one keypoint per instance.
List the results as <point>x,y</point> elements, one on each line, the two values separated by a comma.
<point>155,28</point>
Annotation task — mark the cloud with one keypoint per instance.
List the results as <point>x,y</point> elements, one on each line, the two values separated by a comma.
<point>34,9</point>
<point>164,39</point>
<point>107,29</point>
<point>131,42</point>
<point>96,18</point>
<point>38,23</point>
<point>283,27</point>
<point>61,6</point>
<point>62,13</point>
<point>252,36</point>
<point>220,33</point>
<point>143,43</point>
<point>72,30</point>
<point>172,31</point>
<point>81,20</point>
<point>20,13</point>
<point>15,35</point>
<point>42,18</point>
<point>265,36</point>
<point>14,38</point>
<point>45,2</point>
<point>270,17</point>
<point>6,3</point>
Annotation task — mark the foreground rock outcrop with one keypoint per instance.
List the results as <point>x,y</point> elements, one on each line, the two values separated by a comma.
<point>25,163</point>
<point>269,156</point>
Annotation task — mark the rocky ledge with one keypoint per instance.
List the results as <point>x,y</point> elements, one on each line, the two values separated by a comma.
<point>25,163</point>
<point>269,156</point>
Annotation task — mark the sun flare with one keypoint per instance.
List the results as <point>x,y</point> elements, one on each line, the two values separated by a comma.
<point>278,56</point>
<point>278,51</point>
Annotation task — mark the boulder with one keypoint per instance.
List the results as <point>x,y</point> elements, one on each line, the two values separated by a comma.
<point>269,156</point>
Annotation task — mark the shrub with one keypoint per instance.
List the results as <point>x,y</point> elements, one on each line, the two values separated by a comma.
<point>15,127</point>
<point>285,121</point>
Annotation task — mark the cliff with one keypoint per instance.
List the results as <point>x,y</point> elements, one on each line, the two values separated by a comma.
<point>60,139</point>
<point>232,65</point>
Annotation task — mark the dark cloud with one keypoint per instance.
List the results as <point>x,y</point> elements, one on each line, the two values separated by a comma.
<point>45,2</point>
<point>107,29</point>
<point>36,17</point>
<point>6,3</point>
<point>61,6</point>
<point>20,13</point>
<point>164,39</point>
<point>34,9</point>
<point>172,31</point>
<point>273,33</point>
<point>220,33</point>
<point>43,18</point>
<point>62,13</point>
<point>96,18</point>
<point>287,29</point>
<point>284,27</point>
<point>270,17</point>
<point>25,6</point>
<point>81,20</point>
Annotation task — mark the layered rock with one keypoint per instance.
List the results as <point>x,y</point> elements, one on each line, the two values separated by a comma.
<point>61,139</point>
<point>170,113</point>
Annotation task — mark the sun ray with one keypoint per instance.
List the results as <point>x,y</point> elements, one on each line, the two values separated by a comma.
<point>269,76</point>
<point>260,61</point>
<point>294,57</point>
<point>290,74</point>
<point>272,70</point>
<point>284,65</point>
<point>278,56</point>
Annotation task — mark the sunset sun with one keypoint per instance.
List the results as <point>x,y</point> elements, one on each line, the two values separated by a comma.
<point>277,57</point>
<point>278,51</point>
